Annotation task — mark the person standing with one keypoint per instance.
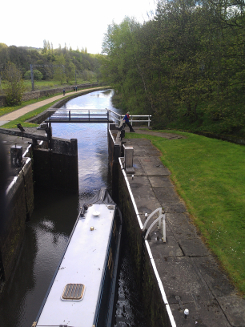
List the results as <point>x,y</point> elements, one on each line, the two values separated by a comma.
<point>64,91</point>
<point>126,121</point>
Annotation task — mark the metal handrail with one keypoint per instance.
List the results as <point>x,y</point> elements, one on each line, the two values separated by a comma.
<point>110,114</point>
<point>119,117</point>
<point>160,219</point>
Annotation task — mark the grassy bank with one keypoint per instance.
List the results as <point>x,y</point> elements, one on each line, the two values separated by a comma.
<point>209,175</point>
<point>6,110</point>
<point>33,113</point>
<point>45,84</point>
<point>22,119</point>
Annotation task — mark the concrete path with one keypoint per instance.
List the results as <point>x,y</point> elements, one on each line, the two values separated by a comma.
<point>22,111</point>
<point>189,273</point>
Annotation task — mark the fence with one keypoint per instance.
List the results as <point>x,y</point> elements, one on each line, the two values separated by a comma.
<point>117,118</point>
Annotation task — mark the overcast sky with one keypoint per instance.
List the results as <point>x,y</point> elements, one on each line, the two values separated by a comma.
<point>79,24</point>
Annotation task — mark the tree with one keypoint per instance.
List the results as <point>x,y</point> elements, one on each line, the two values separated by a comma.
<point>37,75</point>
<point>15,87</point>
<point>69,70</point>
<point>59,72</point>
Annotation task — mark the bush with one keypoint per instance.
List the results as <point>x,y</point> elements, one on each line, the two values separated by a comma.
<point>15,88</point>
<point>38,76</point>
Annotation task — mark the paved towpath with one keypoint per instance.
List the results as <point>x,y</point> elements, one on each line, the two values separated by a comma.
<point>22,111</point>
<point>190,275</point>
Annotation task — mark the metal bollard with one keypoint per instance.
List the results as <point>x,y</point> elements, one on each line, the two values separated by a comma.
<point>16,156</point>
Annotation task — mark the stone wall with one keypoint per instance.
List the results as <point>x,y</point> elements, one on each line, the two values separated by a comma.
<point>145,277</point>
<point>45,93</point>
<point>20,204</point>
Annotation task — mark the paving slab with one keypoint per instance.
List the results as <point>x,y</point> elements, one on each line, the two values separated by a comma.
<point>154,167</point>
<point>162,251</point>
<point>214,276</point>
<point>207,314</point>
<point>139,171</point>
<point>166,194</point>
<point>181,226</point>
<point>234,309</point>
<point>171,206</point>
<point>146,205</point>
<point>190,274</point>
<point>160,181</point>
<point>181,280</point>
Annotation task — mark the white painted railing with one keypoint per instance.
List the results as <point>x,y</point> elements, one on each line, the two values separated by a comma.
<point>160,220</point>
<point>139,118</point>
<point>90,114</point>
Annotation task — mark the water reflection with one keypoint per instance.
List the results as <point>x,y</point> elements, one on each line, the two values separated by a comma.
<point>45,240</point>
<point>93,100</point>
<point>92,143</point>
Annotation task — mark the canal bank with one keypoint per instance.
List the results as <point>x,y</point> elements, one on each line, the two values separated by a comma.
<point>180,273</point>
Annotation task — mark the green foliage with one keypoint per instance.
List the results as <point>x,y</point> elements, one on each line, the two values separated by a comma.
<point>59,71</point>
<point>63,64</point>
<point>15,86</point>
<point>185,66</point>
<point>209,175</point>
<point>37,75</point>
<point>29,115</point>
<point>8,109</point>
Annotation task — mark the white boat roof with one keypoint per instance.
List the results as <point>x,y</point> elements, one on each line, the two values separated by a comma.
<point>83,263</point>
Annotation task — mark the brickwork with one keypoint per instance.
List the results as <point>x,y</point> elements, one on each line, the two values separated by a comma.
<point>20,204</point>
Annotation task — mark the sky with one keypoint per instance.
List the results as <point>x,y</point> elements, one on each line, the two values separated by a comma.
<point>78,24</point>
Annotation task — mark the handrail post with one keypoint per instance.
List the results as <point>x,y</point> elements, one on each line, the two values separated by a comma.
<point>69,115</point>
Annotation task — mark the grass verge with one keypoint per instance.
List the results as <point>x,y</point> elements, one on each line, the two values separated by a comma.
<point>22,119</point>
<point>209,175</point>
<point>6,110</point>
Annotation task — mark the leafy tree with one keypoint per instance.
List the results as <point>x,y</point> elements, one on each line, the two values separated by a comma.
<point>69,70</point>
<point>59,71</point>
<point>187,64</point>
<point>15,87</point>
<point>37,75</point>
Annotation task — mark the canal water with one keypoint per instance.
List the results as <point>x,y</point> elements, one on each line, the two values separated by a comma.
<point>54,216</point>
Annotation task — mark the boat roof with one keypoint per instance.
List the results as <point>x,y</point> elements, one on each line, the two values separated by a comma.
<point>83,263</point>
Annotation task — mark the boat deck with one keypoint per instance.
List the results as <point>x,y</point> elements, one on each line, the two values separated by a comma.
<point>83,263</point>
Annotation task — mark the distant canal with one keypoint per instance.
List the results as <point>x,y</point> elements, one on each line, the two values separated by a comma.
<point>51,224</point>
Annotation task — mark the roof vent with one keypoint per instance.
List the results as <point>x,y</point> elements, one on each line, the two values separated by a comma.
<point>73,292</point>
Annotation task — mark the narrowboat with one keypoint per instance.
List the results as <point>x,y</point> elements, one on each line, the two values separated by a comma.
<point>82,292</point>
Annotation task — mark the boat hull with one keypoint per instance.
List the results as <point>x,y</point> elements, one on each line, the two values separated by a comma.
<point>82,292</point>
